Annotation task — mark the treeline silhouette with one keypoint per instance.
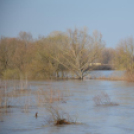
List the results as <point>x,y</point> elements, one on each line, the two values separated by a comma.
<point>49,57</point>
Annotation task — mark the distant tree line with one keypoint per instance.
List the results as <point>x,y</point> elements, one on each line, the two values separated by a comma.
<point>124,54</point>
<point>51,56</point>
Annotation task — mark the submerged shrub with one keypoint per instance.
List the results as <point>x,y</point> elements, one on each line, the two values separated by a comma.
<point>103,99</point>
<point>58,116</point>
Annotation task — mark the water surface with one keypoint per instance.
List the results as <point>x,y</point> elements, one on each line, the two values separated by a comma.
<point>78,102</point>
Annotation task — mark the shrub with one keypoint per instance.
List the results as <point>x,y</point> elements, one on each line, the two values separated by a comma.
<point>58,116</point>
<point>103,99</point>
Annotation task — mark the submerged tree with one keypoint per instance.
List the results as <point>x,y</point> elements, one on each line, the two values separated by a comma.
<point>79,51</point>
<point>74,50</point>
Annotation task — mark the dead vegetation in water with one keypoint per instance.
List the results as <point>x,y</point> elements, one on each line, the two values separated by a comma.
<point>19,93</point>
<point>110,78</point>
<point>4,101</point>
<point>129,76</point>
<point>1,97</point>
<point>103,99</point>
<point>9,90</point>
<point>19,96</point>
<point>49,96</point>
<point>58,116</point>
<point>7,99</point>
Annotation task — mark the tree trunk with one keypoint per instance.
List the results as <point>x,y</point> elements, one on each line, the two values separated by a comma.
<point>57,74</point>
<point>62,73</point>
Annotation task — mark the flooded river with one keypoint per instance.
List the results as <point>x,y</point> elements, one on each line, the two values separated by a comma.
<point>78,103</point>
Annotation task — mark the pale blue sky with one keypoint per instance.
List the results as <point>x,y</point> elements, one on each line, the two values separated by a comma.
<point>113,18</point>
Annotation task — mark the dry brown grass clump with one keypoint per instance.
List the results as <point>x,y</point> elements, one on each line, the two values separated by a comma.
<point>103,99</point>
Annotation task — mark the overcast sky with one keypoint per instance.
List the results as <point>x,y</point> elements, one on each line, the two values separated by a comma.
<point>113,18</point>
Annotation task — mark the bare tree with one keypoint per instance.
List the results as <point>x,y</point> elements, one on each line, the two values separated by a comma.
<point>25,36</point>
<point>79,51</point>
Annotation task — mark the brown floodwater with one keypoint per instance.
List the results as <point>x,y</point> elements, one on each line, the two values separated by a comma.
<point>77,102</point>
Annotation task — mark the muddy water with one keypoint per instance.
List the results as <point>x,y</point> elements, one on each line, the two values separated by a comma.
<point>78,103</point>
